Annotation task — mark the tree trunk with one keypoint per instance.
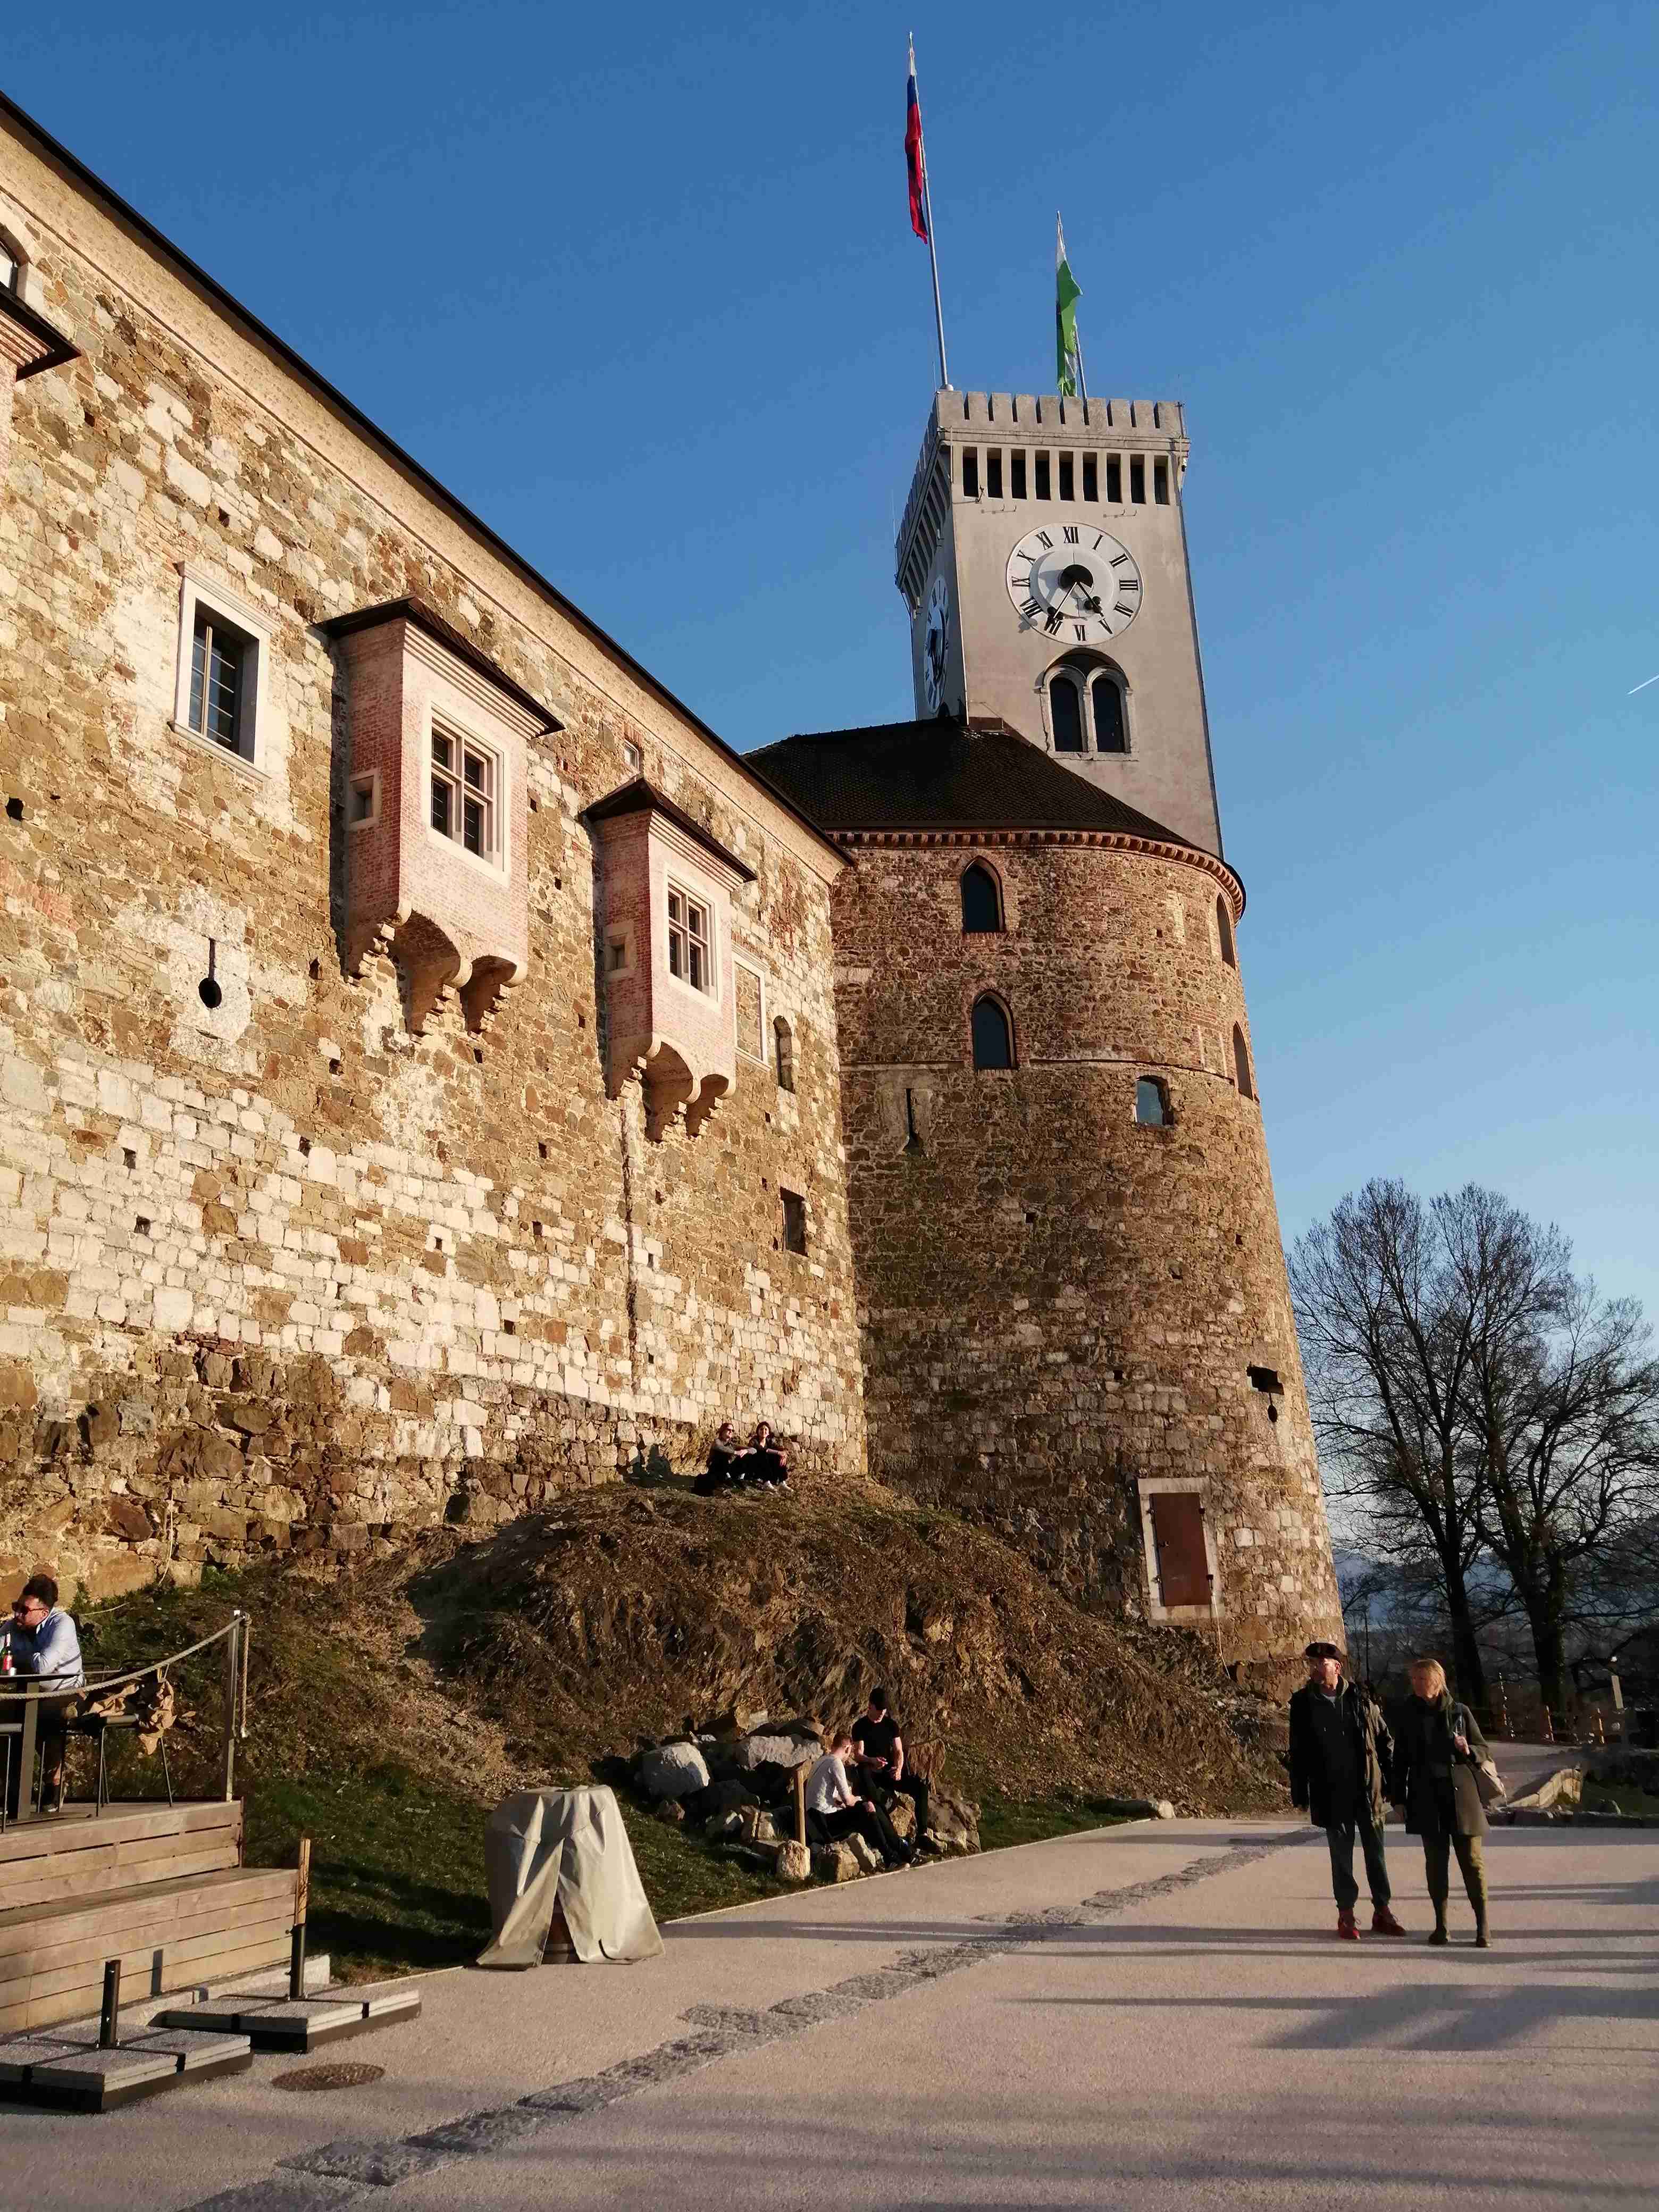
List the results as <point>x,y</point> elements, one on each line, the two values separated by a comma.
<point>1468,1670</point>
<point>1543,1617</point>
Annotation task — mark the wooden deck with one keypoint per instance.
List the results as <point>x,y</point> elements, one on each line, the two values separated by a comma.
<point>161,1887</point>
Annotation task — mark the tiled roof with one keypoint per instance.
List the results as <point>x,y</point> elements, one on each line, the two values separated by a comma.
<point>942,775</point>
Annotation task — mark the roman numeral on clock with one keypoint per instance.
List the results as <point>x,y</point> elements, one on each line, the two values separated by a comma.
<point>1118,560</point>
<point>1128,583</point>
<point>1082,628</point>
<point>1070,534</point>
<point>1120,609</point>
<point>1099,540</point>
<point>1052,620</point>
<point>1030,611</point>
<point>1043,538</point>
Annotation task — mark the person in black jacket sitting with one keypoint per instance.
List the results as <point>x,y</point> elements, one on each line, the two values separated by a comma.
<point>1340,1758</point>
<point>725,1470</point>
<point>878,1756</point>
<point>765,1461</point>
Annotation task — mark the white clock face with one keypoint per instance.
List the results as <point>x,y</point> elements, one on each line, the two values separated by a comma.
<point>935,644</point>
<point>1075,582</point>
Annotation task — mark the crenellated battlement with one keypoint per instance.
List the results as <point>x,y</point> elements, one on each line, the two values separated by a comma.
<point>1035,422</point>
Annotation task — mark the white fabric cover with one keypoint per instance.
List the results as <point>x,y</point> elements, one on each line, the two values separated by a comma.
<point>566,1847</point>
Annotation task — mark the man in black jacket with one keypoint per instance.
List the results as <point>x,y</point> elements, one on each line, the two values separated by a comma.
<point>1340,1753</point>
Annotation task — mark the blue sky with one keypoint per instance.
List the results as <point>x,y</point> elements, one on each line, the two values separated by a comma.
<point>643,290</point>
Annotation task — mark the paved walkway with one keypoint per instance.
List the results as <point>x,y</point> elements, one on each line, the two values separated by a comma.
<point>1153,2016</point>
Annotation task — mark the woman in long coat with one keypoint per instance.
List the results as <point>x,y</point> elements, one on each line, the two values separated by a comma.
<point>1436,1747</point>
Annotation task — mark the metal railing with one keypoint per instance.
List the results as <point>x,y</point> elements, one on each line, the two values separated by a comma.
<point>21,1703</point>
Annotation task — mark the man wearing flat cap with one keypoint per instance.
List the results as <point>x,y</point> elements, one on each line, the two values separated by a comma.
<point>1340,1756</point>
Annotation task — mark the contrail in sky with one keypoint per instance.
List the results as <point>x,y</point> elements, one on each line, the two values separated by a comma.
<point>1642,686</point>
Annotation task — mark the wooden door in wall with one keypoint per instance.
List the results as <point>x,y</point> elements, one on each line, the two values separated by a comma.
<point>1183,1565</point>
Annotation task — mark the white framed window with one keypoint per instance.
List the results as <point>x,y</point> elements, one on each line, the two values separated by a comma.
<point>632,754</point>
<point>223,651</point>
<point>466,805</point>
<point>691,938</point>
<point>363,800</point>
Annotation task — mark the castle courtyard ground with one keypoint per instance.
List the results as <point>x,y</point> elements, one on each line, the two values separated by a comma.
<point>1153,2015</point>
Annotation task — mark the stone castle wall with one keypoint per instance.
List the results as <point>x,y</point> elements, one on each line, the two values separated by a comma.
<point>1059,1305</point>
<point>286,1270</point>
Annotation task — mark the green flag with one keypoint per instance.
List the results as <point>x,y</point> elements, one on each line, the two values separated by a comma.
<point>1068,358</point>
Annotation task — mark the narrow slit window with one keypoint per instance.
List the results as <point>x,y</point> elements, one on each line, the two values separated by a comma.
<point>1042,476</point>
<point>218,669</point>
<point>1067,476</point>
<point>688,940</point>
<point>783,1044</point>
<point>360,809</point>
<point>1017,475</point>
<point>794,1221</point>
<point>1223,929</point>
<point>1242,1064</point>
<point>1137,480</point>
<point>1114,480</point>
<point>1065,710</point>
<point>969,473</point>
<point>1090,480</point>
<point>10,268</point>
<point>1111,736</point>
<point>993,475</point>
<point>1160,482</point>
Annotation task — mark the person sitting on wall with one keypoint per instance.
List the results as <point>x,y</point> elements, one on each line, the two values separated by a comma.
<point>725,1470</point>
<point>833,1810</point>
<point>878,1756</point>
<point>44,1645</point>
<point>765,1461</point>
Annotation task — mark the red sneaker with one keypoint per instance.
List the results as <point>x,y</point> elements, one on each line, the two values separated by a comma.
<point>1347,1932</point>
<point>1384,1923</point>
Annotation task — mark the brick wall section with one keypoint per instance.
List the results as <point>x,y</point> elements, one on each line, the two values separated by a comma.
<point>281,1273</point>
<point>1057,1302</point>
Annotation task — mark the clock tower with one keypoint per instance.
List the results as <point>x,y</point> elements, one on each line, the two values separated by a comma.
<point>1042,557</point>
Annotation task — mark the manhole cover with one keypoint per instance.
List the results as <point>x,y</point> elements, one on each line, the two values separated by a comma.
<point>347,2076</point>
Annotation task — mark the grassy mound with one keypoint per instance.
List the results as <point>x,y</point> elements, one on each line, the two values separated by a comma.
<point>389,1709</point>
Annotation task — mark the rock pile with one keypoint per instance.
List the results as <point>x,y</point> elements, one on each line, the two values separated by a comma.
<point>733,1781</point>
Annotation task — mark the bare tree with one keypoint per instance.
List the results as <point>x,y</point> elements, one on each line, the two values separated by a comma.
<point>1564,1420</point>
<point>1387,1322</point>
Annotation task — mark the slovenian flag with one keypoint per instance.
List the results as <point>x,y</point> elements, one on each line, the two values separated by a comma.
<point>915,160</point>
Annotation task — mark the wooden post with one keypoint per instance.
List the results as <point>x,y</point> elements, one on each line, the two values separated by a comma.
<point>109,2019</point>
<point>26,1755</point>
<point>800,1805</point>
<point>230,1679</point>
<point>296,1963</point>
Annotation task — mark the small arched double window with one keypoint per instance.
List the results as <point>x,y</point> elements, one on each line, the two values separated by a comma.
<point>783,1045</point>
<point>1223,929</point>
<point>993,1034</point>
<point>1242,1064</point>
<point>1086,711</point>
<point>982,902</point>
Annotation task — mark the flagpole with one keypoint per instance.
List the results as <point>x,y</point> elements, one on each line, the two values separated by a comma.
<point>933,250</point>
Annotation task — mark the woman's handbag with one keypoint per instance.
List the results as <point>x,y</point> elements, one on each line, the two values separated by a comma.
<point>1487,1780</point>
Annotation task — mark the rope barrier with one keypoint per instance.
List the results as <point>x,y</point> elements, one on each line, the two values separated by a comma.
<point>44,1687</point>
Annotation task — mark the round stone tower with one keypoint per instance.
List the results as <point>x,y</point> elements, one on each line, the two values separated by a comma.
<point>1075,1315</point>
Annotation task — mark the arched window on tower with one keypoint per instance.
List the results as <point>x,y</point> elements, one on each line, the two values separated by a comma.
<point>1242,1064</point>
<point>1152,1103</point>
<point>982,902</point>
<point>1223,929</point>
<point>994,1035</point>
<point>783,1043</point>
<point>1106,697</point>
<point>1066,713</point>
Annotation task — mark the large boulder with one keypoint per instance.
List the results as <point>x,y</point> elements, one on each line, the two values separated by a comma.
<point>902,1815</point>
<point>952,1822</point>
<point>864,1853</point>
<point>672,1770</point>
<point>785,1751</point>
<point>756,1825</point>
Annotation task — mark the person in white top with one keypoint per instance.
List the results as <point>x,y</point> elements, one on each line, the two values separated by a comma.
<point>834,1810</point>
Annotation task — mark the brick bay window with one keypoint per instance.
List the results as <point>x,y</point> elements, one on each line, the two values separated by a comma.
<point>689,939</point>
<point>465,780</point>
<point>437,806</point>
<point>679,1005</point>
